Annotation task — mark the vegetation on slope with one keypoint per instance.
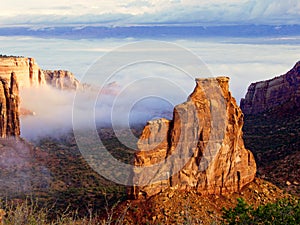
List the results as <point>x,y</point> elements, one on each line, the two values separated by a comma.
<point>273,137</point>
<point>284,211</point>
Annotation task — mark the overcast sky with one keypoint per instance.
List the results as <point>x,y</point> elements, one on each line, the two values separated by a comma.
<point>128,12</point>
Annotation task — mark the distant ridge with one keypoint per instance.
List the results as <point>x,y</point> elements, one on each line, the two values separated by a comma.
<point>151,31</point>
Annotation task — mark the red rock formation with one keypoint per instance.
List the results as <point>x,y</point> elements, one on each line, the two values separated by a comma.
<point>9,107</point>
<point>29,74</point>
<point>61,79</point>
<point>266,95</point>
<point>201,148</point>
<point>27,71</point>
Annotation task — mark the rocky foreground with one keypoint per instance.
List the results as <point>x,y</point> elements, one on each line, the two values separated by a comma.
<point>191,207</point>
<point>56,174</point>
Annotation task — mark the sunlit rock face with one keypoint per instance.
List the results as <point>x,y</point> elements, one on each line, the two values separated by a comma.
<point>9,107</point>
<point>267,95</point>
<point>27,72</point>
<point>200,149</point>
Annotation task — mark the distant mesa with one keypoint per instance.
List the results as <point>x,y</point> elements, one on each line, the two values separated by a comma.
<point>204,142</point>
<point>112,88</point>
<point>61,79</point>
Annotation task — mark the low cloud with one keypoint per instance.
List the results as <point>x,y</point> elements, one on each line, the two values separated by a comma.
<point>124,101</point>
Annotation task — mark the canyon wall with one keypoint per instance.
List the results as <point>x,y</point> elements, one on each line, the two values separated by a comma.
<point>201,148</point>
<point>9,106</point>
<point>27,72</point>
<point>269,94</point>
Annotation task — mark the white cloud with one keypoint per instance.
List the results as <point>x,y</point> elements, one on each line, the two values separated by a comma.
<point>151,11</point>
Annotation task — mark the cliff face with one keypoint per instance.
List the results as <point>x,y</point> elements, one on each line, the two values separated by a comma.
<point>201,148</point>
<point>272,128</point>
<point>61,79</point>
<point>269,94</point>
<point>27,72</point>
<point>9,107</point>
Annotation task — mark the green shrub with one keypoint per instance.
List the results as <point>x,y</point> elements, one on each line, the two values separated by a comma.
<point>284,211</point>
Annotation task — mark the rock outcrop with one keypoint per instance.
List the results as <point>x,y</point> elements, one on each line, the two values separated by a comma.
<point>61,79</point>
<point>269,94</point>
<point>27,72</point>
<point>9,107</point>
<point>201,148</point>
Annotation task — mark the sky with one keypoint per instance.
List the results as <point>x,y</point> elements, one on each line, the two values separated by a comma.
<point>135,12</point>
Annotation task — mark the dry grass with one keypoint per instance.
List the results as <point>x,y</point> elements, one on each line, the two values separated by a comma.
<point>29,212</point>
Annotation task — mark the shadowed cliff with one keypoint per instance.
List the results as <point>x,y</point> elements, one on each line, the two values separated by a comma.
<point>272,128</point>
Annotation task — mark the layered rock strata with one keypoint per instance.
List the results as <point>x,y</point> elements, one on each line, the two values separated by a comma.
<point>201,148</point>
<point>27,72</point>
<point>9,107</point>
<point>269,94</point>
